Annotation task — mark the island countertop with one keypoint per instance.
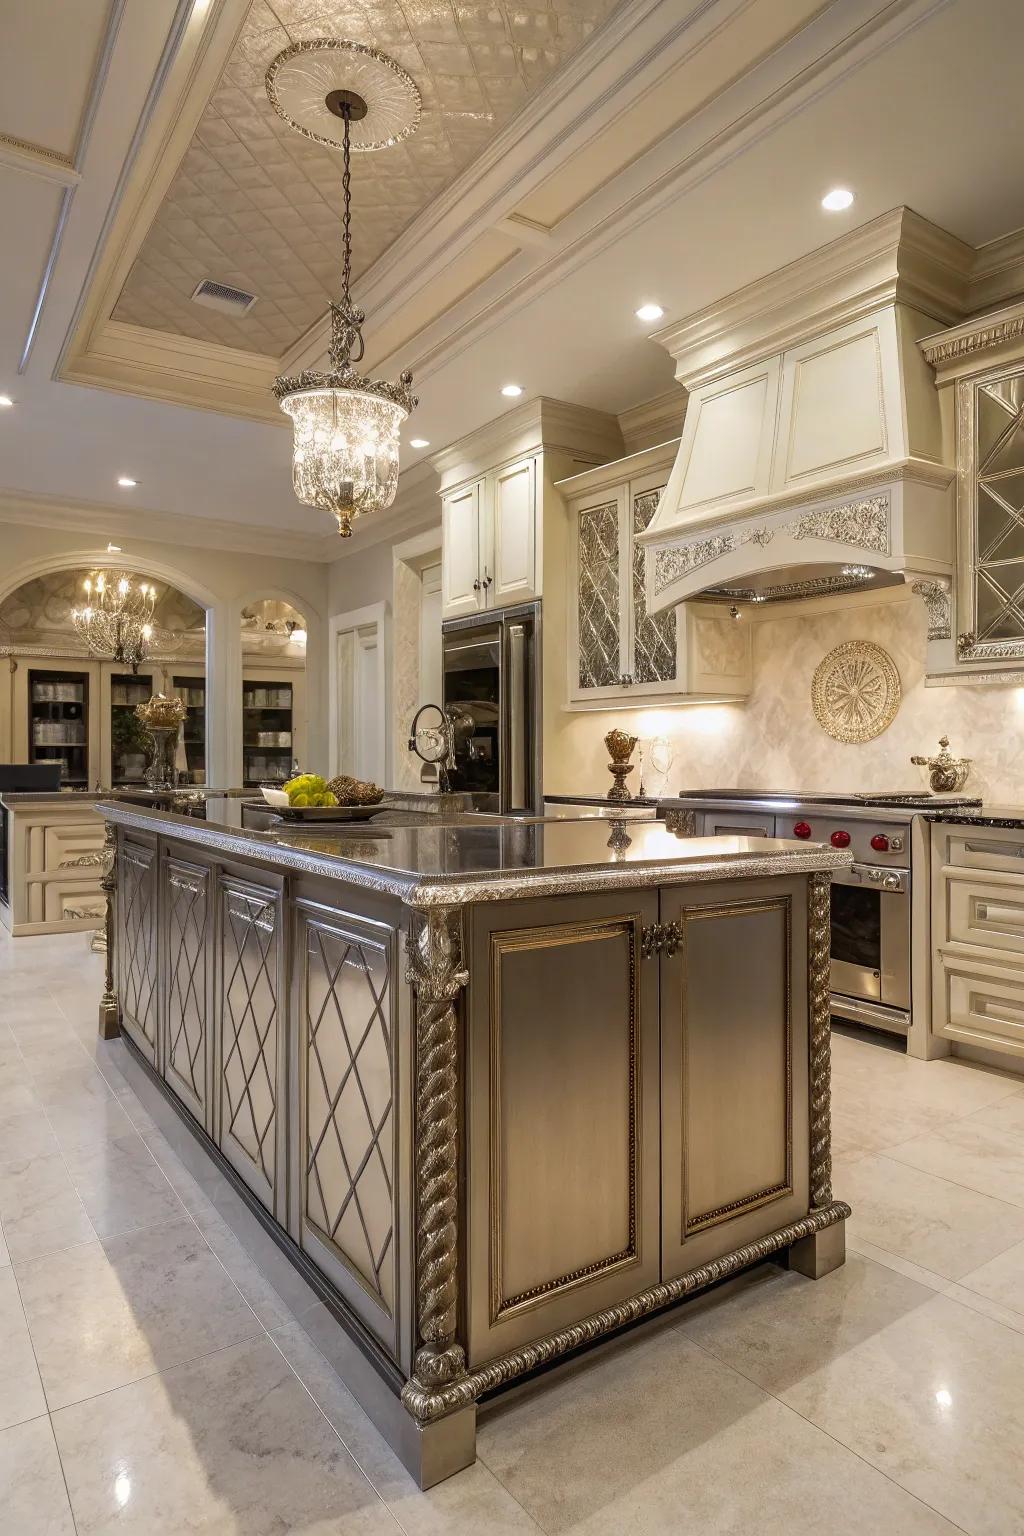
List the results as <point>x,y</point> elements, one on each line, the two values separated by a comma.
<point>450,864</point>
<point>984,815</point>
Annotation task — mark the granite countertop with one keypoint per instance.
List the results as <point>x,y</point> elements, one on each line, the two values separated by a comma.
<point>489,861</point>
<point>984,815</point>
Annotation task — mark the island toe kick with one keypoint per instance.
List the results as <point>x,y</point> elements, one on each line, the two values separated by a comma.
<point>489,1131</point>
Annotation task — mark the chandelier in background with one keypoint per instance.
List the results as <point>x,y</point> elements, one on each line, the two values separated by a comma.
<point>116,620</point>
<point>345,426</point>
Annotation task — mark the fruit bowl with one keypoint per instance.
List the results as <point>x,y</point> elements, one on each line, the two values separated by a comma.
<point>275,797</point>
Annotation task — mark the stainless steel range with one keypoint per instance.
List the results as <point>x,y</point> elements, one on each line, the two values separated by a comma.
<point>871,903</point>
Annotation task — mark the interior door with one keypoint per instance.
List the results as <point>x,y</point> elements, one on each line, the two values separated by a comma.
<point>462,588</point>
<point>515,522</point>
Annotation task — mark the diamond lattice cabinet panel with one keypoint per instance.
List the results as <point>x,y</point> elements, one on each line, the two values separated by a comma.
<point>257,206</point>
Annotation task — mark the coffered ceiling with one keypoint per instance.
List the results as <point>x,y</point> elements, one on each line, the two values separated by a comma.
<point>255,205</point>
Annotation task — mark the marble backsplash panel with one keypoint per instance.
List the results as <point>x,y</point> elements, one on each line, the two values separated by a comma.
<point>773,740</point>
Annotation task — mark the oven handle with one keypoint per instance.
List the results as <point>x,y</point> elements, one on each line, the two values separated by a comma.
<point>872,877</point>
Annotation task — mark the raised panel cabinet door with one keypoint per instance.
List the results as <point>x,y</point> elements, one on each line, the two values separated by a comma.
<point>250,1111</point>
<point>136,947</point>
<point>514,572</point>
<point>186,1035</point>
<point>345,1151</point>
<point>733,1067</point>
<point>462,587</point>
<point>562,1095</point>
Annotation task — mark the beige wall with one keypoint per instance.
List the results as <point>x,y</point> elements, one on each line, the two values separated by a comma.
<point>774,742</point>
<point>223,581</point>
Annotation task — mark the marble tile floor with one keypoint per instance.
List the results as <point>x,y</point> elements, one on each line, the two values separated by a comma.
<point>163,1369</point>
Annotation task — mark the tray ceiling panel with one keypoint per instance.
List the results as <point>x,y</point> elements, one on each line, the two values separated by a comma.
<point>255,205</point>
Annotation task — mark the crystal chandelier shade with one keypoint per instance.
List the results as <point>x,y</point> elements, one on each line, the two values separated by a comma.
<point>116,620</point>
<point>345,426</point>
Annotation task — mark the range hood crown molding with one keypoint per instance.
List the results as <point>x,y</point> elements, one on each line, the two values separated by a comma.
<point>899,257</point>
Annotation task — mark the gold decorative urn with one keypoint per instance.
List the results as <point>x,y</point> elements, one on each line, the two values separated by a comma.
<point>620,746</point>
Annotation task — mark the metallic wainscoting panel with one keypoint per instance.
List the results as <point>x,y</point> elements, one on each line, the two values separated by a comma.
<point>136,909</point>
<point>250,1031</point>
<point>734,1046</point>
<point>186,910</point>
<point>347,1080</point>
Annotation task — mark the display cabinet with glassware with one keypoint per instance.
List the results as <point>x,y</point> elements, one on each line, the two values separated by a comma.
<point>268,736</point>
<point>129,739</point>
<point>191,690</point>
<point>58,722</point>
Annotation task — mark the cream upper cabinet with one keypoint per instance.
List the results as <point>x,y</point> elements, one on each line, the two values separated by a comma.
<point>617,651</point>
<point>462,591</point>
<point>514,524</point>
<point>489,541</point>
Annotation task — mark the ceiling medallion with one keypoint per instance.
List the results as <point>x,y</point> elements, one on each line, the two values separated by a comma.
<point>855,691</point>
<point>117,619</point>
<point>346,426</point>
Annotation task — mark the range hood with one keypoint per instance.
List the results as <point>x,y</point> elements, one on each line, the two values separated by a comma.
<point>812,457</point>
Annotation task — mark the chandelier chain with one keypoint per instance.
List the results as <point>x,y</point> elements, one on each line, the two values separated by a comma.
<point>346,187</point>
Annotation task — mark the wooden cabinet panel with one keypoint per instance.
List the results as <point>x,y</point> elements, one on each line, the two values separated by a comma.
<point>734,1069</point>
<point>345,1146</point>
<point>73,900</point>
<point>137,960</point>
<point>977,1003</point>
<point>67,843</point>
<point>461,589</point>
<point>185,1052</point>
<point>250,1117</point>
<point>986,913</point>
<point>515,522</point>
<point>563,1105</point>
<point>982,848</point>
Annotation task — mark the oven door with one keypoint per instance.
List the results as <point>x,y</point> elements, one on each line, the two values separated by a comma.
<point>870,949</point>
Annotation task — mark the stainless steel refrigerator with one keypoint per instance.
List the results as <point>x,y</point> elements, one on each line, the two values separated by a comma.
<point>492,691</point>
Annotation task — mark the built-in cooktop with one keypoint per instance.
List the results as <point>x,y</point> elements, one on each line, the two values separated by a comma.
<point>910,799</point>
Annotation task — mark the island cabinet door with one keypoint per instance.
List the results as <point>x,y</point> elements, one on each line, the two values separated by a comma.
<point>562,1110</point>
<point>345,984</point>
<point>733,1066</point>
<point>136,942</point>
<point>184,1057</point>
<point>250,1110</point>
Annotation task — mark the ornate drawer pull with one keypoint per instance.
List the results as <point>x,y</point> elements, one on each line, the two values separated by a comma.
<point>183,883</point>
<point>988,913</point>
<point>257,918</point>
<point>1001,850</point>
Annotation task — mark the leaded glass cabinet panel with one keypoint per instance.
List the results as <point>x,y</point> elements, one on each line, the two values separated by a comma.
<point>991,509</point>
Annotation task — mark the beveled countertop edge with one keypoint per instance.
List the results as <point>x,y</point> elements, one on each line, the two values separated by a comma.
<point>460,890</point>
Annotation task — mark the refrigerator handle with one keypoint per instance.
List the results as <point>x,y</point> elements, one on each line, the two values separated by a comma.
<point>518,719</point>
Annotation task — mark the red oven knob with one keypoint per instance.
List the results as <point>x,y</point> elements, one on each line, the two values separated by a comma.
<point>840,839</point>
<point>801,829</point>
<point>880,843</point>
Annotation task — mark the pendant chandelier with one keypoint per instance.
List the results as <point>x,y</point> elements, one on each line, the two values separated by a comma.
<point>345,426</point>
<point>116,621</point>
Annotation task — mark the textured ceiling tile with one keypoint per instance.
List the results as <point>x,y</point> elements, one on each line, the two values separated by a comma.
<point>256,200</point>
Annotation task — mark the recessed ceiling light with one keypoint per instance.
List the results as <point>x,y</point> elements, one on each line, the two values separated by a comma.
<point>419,442</point>
<point>126,481</point>
<point>511,390</point>
<point>649,312</point>
<point>5,401</point>
<point>836,200</point>
<point>113,549</point>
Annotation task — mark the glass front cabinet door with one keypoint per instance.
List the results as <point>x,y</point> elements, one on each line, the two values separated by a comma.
<point>990,596</point>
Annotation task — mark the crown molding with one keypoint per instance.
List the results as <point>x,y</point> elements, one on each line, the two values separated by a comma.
<point>658,456</point>
<point>159,365</point>
<point>540,423</point>
<point>35,160</point>
<point>976,344</point>
<point>898,257</point>
<point>998,274</point>
<point>22,508</point>
<point>654,421</point>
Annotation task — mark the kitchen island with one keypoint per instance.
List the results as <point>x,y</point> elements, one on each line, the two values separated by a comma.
<point>499,1088</point>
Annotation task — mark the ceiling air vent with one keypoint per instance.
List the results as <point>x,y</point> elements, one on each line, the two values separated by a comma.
<point>230,301</point>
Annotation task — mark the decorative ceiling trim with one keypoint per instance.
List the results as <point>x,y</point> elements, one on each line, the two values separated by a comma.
<point>971,340</point>
<point>35,160</point>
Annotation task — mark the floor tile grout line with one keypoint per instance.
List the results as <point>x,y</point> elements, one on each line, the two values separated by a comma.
<point>851,1450</point>
<point>1010,1205</point>
<point>334,1428</point>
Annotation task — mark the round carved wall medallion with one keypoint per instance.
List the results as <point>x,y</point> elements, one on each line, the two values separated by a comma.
<point>855,691</point>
